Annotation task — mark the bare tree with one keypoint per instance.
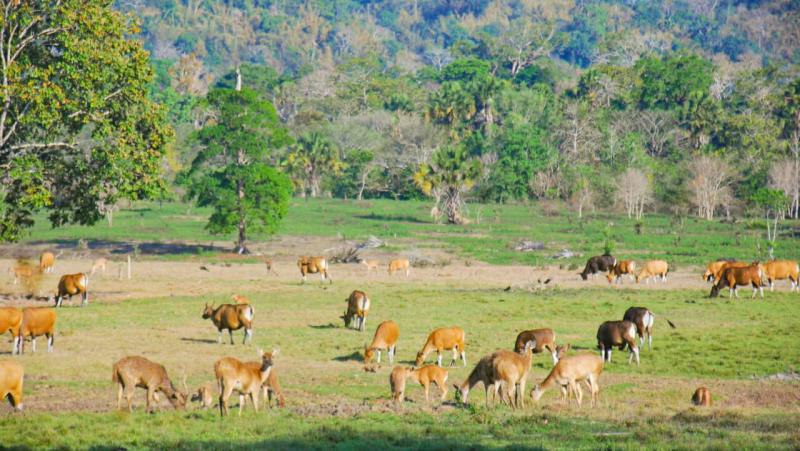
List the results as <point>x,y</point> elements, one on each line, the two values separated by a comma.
<point>784,176</point>
<point>583,196</point>
<point>657,128</point>
<point>710,184</point>
<point>634,192</point>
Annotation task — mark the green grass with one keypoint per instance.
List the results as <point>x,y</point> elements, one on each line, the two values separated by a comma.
<point>406,224</point>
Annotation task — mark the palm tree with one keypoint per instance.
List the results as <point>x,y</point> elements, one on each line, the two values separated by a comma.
<point>310,159</point>
<point>450,174</point>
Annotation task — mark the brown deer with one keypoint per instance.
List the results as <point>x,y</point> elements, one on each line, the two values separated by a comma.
<point>357,308</point>
<point>386,336</point>
<point>11,379</point>
<point>37,321</point>
<point>702,397</point>
<point>511,371</point>
<point>482,373</point>
<point>136,371</point>
<point>442,339</point>
<point>204,396</point>
<point>10,321</point>
<point>70,285</point>
<point>568,373</point>
<point>271,387</point>
<point>231,317</point>
<point>424,376</point>
<point>617,333</point>
<point>99,264</point>
<point>232,374</point>
<point>372,265</point>
<point>23,271</point>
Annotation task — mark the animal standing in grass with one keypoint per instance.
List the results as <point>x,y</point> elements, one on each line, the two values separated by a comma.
<point>617,333</point>
<point>10,321</point>
<point>482,373</point>
<point>443,339</point>
<point>233,374</point>
<point>622,268</point>
<point>313,265</point>
<point>47,261</point>
<point>542,339</point>
<point>715,268</point>
<point>136,371</point>
<point>781,270</point>
<point>702,397</point>
<point>400,264</point>
<point>511,370</point>
<point>644,320</point>
<point>231,317</point>
<point>99,265</point>
<point>70,285</point>
<point>424,376</point>
<point>37,321</point>
<point>733,278</point>
<point>357,309</point>
<point>657,269</point>
<point>386,336</point>
<point>372,265</point>
<point>598,264</point>
<point>568,373</point>
<point>12,376</point>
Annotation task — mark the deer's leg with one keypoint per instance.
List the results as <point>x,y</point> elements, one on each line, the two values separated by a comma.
<point>150,393</point>
<point>85,299</point>
<point>242,401</point>
<point>464,358</point>
<point>120,392</point>
<point>129,397</point>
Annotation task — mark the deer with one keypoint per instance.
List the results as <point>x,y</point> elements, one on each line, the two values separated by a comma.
<point>204,396</point>
<point>568,373</point>
<point>136,371</point>
<point>12,376</point>
<point>702,397</point>
<point>47,261</point>
<point>482,373</point>
<point>10,321</point>
<point>232,374</point>
<point>238,299</point>
<point>314,265</point>
<point>424,376</point>
<point>357,308</point>
<point>271,387</point>
<point>400,264</point>
<point>644,319</point>
<point>99,264</point>
<point>543,339</point>
<point>70,285</point>
<point>653,268</point>
<point>442,339</point>
<point>23,271</point>
<point>231,317</point>
<point>37,321</point>
<point>270,266</point>
<point>372,265</point>
<point>386,336</point>
<point>617,333</point>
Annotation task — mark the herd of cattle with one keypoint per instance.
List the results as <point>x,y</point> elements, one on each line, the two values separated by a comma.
<point>503,372</point>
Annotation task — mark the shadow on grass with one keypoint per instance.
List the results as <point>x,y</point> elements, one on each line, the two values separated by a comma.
<point>395,218</point>
<point>199,340</point>
<point>355,356</point>
<point>123,247</point>
<point>324,326</point>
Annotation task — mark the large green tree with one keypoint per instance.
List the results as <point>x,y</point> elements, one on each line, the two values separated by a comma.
<point>77,131</point>
<point>232,173</point>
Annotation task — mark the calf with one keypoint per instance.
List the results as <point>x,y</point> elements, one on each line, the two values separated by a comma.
<point>47,261</point>
<point>598,263</point>
<point>702,397</point>
<point>10,321</point>
<point>136,371</point>
<point>357,308</point>
<point>204,396</point>
<point>617,333</point>
<point>231,317</point>
<point>37,321</point>
<point>424,376</point>
<point>386,336</point>
<point>624,267</point>
<point>70,285</point>
<point>782,269</point>
<point>11,378</point>
<point>313,265</point>
<point>542,339</point>
<point>734,277</point>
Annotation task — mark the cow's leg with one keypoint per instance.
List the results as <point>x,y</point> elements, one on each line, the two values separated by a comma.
<point>464,357</point>
<point>439,358</point>
<point>85,299</point>
<point>248,335</point>
<point>379,356</point>
<point>33,343</point>
<point>230,332</point>
<point>50,341</point>
<point>455,356</point>
<point>219,336</point>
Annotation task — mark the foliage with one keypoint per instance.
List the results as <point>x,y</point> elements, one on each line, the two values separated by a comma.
<point>450,174</point>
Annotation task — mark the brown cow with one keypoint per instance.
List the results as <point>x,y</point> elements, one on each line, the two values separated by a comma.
<point>314,265</point>
<point>735,277</point>
<point>782,269</point>
<point>620,269</point>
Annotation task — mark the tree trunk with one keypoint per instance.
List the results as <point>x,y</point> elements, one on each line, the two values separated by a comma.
<point>363,184</point>
<point>240,244</point>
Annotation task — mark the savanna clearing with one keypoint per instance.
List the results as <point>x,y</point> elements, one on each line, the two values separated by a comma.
<point>734,347</point>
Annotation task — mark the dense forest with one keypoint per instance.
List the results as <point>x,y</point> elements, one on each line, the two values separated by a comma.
<point>682,107</point>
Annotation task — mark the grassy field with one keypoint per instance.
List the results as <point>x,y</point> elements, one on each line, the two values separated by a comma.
<point>733,347</point>
<point>406,225</point>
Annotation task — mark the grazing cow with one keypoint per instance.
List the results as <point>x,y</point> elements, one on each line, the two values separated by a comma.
<point>714,268</point>
<point>542,339</point>
<point>231,317</point>
<point>400,264</point>
<point>11,379</point>
<point>442,339</point>
<point>653,268</point>
<point>314,265</point>
<point>735,277</point>
<point>644,320</point>
<point>47,261</point>
<point>73,284</point>
<point>357,308</point>
<point>617,333</point>
<point>597,264</point>
<point>135,371</point>
<point>386,336</point>
<point>782,269</point>
<point>620,269</point>
<point>702,397</point>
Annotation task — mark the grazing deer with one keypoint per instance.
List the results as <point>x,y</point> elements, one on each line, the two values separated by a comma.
<point>231,317</point>
<point>440,340</point>
<point>12,376</point>
<point>400,264</point>
<point>70,285</point>
<point>357,308</point>
<point>617,333</point>
<point>37,321</point>
<point>99,264</point>
<point>23,271</point>
<point>314,265</point>
<point>136,371</point>
<point>568,373</point>
<point>386,336</point>
<point>542,338</point>
<point>47,261</point>
<point>702,397</point>
<point>657,269</point>
<point>232,374</point>
<point>10,321</point>
<point>644,319</point>
<point>372,265</point>
<point>270,266</point>
<point>482,373</point>
<point>424,376</point>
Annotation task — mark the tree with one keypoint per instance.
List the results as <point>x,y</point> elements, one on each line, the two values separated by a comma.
<point>449,175</point>
<point>789,112</point>
<point>231,172</point>
<point>710,184</point>
<point>310,159</point>
<point>634,191</point>
<point>773,202</point>
<point>77,130</point>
